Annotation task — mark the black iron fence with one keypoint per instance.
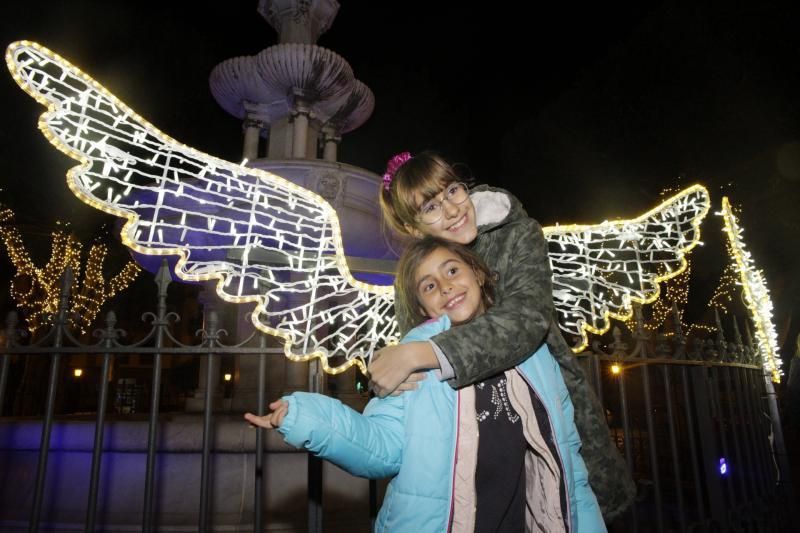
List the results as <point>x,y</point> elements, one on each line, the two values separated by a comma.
<point>699,428</point>
<point>695,418</point>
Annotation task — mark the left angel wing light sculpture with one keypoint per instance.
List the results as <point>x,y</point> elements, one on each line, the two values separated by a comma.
<point>279,246</point>
<point>213,214</point>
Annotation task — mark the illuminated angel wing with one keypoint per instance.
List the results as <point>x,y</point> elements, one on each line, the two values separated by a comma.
<point>277,245</point>
<point>599,270</point>
<point>217,216</point>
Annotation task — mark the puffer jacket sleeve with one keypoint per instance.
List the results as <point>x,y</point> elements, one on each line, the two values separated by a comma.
<point>518,324</point>
<point>586,515</point>
<point>368,445</point>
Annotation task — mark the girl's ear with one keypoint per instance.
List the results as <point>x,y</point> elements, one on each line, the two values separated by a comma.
<point>479,276</point>
<point>413,231</point>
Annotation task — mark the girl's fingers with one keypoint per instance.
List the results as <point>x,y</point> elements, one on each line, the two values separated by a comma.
<point>279,416</point>
<point>260,421</point>
<point>276,404</point>
<point>416,376</point>
<point>271,420</point>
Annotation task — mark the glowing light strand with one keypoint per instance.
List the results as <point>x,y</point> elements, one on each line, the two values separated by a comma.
<point>755,292</point>
<point>37,290</point>
<point>599,270</point>
<point>216,215</point>
<point>272,243</point>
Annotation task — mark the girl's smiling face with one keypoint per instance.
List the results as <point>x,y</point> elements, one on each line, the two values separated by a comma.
<point>457,222</point>
<point>446,285</point>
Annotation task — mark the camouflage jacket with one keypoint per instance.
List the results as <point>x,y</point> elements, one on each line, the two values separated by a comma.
<point>514,247</point>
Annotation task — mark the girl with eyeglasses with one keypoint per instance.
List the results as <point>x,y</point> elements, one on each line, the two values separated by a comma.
<point>424,195</point>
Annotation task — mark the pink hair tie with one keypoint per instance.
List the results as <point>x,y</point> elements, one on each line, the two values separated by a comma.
<point>392,166</point>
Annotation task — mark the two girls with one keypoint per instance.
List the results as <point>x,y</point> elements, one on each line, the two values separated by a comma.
<point>502,455</point>
<point>423,195</point>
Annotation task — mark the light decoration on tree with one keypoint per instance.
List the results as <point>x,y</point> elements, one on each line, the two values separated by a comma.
<point>36,290</point>
<point>95,290</point>
<point>723,294</point>
<point>272,243</point>
<point>755,291</point>
<point>675,295</point>
<point>674,292</point>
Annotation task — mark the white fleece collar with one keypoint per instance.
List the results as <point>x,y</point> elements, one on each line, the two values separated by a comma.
<point>490,207</point>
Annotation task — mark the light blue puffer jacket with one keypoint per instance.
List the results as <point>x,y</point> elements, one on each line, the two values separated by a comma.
<point>412,437</point>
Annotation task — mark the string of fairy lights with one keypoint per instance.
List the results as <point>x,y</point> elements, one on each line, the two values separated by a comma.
<point>95,290</point>
<point>215,215</point>
<point>36,290</point>
<point>740,276</point>
<point>600,270</point>
<point>756,294</point>
<point>264,239</point>
<point>268,241</point>
<point>675,296</point>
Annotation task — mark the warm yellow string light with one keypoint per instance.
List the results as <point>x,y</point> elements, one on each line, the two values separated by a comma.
<point>307,296</point>
<point>676,293</point>
<point>755,291</point>
<point>37,290</point>
<point>95,290</point>
<point>600,270</point>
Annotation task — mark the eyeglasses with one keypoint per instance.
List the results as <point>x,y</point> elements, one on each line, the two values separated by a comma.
<point>431,211</point>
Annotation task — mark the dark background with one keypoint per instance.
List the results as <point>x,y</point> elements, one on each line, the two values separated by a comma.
<point>585,112</point>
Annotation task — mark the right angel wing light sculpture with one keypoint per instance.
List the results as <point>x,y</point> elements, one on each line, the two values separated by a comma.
<point>600,269</point>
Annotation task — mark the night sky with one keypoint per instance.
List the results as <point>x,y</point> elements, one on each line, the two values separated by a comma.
<point>585,113</point>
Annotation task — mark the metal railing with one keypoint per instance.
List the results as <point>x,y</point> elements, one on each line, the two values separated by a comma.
<point>696,420</point>
<point>698,426</point>
<point>158,342</point>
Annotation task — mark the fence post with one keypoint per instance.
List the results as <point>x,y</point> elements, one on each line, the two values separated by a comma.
<point>210,336</point>
<point>259,475</point>
<point>11,334</point>
<point>315,479</point>
<point>109,336</point>
<point>708,445</point>
<point>47,425</point>
<point>160,321</point>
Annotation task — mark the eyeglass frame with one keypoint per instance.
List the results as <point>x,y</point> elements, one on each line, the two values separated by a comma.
<point>440,204</point>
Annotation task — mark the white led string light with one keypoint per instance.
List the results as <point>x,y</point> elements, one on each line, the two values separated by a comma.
<point>599,270</point>
<point>223,219</point>
<point>756,294</point>
<point>213,214</point>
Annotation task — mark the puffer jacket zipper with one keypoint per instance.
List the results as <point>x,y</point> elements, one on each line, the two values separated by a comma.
<point>455,460</point>
<point>555,441</point>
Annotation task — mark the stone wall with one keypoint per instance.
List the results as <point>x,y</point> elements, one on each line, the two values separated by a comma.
<point>177,491</point>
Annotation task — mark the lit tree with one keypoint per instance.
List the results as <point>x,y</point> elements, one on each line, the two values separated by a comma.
<point>36,289</point>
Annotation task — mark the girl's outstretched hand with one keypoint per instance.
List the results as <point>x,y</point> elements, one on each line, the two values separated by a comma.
<point>271,420</point>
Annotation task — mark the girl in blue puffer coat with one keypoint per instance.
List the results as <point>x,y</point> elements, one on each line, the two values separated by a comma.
<point>501,455</point>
